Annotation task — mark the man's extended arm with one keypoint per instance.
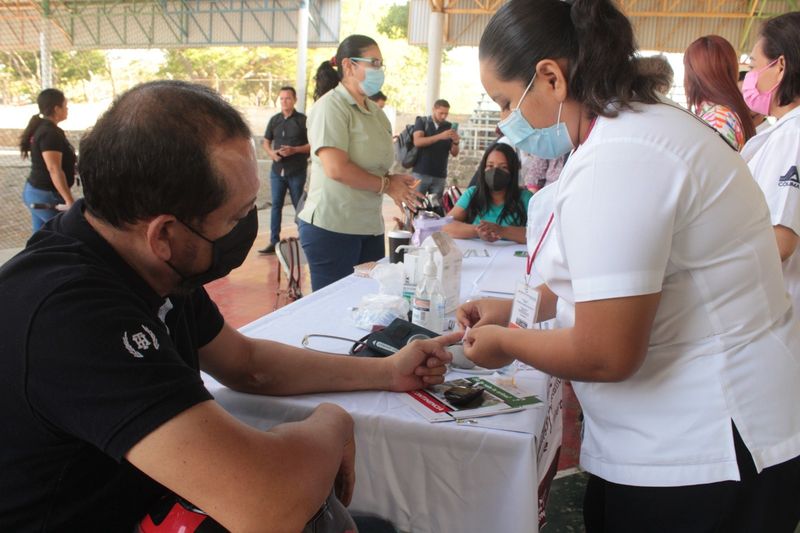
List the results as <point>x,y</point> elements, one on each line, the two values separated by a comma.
<point>267,367</point>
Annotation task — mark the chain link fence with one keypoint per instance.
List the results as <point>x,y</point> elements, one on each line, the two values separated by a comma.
<point>15,219</point>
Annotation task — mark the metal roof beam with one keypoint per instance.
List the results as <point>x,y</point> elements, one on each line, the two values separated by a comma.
<point>164,23</point>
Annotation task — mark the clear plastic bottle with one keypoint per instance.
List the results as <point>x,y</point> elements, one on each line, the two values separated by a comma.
<point>427,306</point>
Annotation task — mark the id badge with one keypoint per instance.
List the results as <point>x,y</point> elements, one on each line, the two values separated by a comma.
<point>525,311</point>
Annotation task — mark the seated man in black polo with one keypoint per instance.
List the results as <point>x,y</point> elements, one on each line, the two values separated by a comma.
<point>436,140</point>
<point>286,142</point>
<point>105,327</point>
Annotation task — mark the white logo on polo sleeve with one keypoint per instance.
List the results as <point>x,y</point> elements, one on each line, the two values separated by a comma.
<point>142,340</point>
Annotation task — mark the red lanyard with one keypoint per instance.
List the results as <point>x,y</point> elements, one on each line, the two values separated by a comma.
<point>532,258</point>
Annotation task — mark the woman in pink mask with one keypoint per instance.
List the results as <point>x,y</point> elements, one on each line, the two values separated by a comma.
<point>772,88</point>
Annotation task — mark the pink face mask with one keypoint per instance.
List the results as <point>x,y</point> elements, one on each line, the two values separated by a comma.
<point>756,100</point>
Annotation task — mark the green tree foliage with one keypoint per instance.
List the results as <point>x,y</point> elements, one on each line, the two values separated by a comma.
<point>394,23</point>
<point>75,66</point>
<point>241,73</point>
<point>20,71</point>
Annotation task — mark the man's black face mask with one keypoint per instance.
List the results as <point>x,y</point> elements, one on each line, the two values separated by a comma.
<point>227,252</point>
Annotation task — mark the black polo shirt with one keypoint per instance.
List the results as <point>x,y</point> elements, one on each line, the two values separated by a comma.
<point>50,138</point>
<point>288,131</point>
<point>91,361</point>
<point>432,160</point>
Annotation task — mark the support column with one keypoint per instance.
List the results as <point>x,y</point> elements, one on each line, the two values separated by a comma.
<point>302,54</point>
<point>46,60</point>
<point>435,41</point>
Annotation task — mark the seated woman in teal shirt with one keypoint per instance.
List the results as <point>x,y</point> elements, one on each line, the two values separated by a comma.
<point>496,208</point>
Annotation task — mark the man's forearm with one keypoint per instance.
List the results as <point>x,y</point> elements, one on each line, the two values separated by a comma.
<point>424,142</point>
<point>280,370</point>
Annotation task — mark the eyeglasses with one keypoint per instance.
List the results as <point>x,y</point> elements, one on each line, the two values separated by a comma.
<point>373,62</point>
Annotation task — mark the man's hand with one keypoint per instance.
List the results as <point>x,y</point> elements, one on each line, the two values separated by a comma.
<point>484,312</point>
<point>286,151</point>
<point>482,346</point>
<point>448,135</point>
<point>421,363</point>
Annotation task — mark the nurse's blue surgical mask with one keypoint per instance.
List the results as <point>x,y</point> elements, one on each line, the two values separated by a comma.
<point>548,143</point>
<point>373,76</point>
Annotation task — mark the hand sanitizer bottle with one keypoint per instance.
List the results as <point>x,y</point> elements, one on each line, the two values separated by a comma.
<point>427,306</point>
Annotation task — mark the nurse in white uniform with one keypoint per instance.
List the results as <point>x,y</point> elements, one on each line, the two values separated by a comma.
<point>772,88</point>
<point>660,254</point>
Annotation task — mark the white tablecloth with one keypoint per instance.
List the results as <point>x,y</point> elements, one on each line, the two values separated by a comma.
<point>424,477</point>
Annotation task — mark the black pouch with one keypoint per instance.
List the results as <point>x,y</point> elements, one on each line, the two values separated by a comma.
<point>390,339</point>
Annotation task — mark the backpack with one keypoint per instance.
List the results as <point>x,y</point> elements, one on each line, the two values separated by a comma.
<point>450,197</point>
<point>405,152</point>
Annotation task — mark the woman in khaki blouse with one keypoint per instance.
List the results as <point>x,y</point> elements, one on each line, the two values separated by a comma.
<point>341,223</point>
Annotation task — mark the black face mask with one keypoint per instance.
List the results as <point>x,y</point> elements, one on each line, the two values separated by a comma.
<point>497,179</point>
<point>227,252</point>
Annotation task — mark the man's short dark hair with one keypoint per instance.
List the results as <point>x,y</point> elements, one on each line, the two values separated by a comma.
<point>441,103</point>
<point>378,96</point>
<point>289,88</point>
<point>149,153</point>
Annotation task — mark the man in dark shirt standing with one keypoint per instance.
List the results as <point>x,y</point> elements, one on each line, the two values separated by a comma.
<point>105,326</point>
<point>435,139</point>
<point>286,142</point>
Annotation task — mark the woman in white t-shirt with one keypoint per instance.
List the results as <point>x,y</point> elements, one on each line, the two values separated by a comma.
<point>658,263</point>
<point>772,88</point>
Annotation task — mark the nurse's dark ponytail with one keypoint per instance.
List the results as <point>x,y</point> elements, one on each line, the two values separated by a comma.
<point>593,36</point>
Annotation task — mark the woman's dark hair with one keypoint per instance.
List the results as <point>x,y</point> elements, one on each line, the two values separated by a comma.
<point>514,210</point>
<point>711,75</point>
<point>780,38</point>
<point>593,36</point>
<point>150,153</point>
<point>47,102</point>
<point>329,73</point>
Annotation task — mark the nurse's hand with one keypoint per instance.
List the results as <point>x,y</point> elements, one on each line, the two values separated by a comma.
<point>483,312</point>
<point>483,347</point>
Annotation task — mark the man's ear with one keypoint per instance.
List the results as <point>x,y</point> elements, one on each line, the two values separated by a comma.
<point>160,234</point>
<point>552,72</point>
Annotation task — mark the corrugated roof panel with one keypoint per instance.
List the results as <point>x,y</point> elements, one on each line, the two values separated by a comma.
<point>655,28</point>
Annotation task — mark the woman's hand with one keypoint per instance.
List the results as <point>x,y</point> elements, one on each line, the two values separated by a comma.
<point>489,231</point>
<point>401,190</point>
<point>484,312</point>
<point>483,347</point>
